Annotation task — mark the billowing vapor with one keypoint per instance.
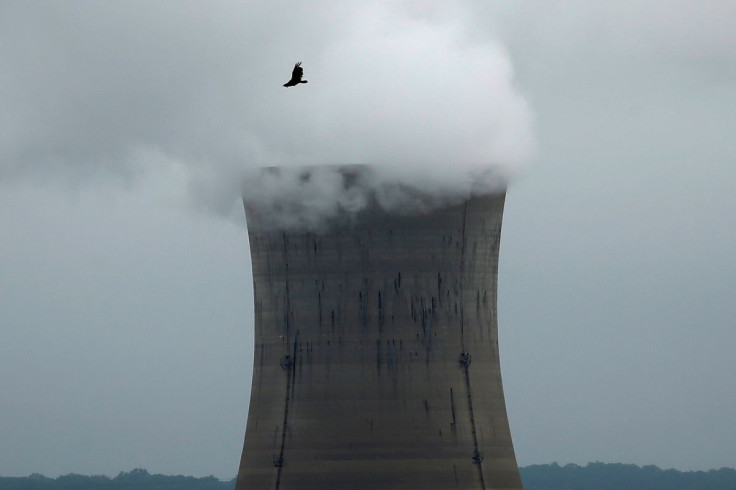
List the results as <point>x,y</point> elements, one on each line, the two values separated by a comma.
<point>312,197</point>
<point>112,89</point>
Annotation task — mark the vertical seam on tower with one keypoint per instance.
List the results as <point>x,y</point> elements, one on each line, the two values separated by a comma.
<point>476,453</point>
<point>291,369</point>
<point>290,376</point>
<point>466,366</point>
<point>462,276</point>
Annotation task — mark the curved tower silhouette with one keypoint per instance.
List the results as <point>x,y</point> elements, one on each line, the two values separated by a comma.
<point>376,355</point>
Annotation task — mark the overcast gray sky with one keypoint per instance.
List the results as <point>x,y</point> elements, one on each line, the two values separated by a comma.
<point>125,289</point>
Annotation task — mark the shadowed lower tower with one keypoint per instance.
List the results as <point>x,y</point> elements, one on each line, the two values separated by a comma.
<point>376,355</point>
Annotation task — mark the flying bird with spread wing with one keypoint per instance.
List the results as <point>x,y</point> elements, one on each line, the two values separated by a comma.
<point>296,76</point>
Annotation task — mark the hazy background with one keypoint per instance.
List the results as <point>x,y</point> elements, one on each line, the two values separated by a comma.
<point>125,288</point>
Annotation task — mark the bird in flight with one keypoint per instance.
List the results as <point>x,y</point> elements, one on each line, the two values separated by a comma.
<point>296,76</point>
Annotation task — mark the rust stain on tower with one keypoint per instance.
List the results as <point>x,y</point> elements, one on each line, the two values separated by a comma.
<point>376,353</point>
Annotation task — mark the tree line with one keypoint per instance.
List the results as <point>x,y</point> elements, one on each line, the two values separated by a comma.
<point>598,476</point>
<point>616,476</point>
<point>138,479</point>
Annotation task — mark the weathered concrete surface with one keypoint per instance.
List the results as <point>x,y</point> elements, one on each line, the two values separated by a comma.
<point>360,379</point>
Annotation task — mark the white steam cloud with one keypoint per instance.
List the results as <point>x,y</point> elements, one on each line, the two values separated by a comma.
<point>312,197</point>
<point>111,88</point>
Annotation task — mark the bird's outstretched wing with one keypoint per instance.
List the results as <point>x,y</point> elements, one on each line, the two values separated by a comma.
<point>298,72</point>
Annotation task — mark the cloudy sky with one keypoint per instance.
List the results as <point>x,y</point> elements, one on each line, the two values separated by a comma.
<point>125,291</point>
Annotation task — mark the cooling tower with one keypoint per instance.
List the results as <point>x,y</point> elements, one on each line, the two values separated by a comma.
<point>376,352</point>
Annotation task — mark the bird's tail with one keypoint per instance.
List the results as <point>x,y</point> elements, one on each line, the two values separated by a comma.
<point>302,81</point>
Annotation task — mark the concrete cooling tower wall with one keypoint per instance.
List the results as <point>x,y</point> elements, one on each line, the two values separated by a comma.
<point>376,355</point>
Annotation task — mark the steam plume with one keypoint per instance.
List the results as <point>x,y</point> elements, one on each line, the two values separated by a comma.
<point>113,89</point>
